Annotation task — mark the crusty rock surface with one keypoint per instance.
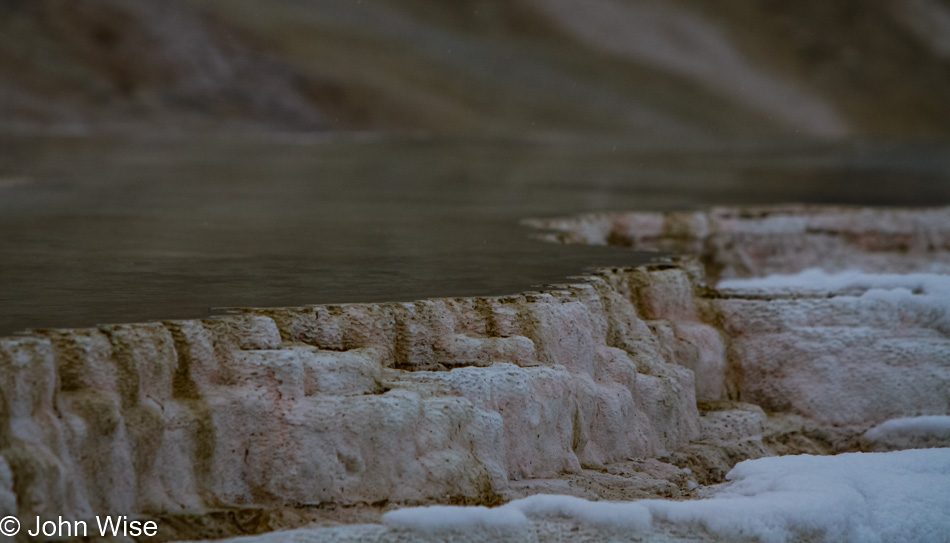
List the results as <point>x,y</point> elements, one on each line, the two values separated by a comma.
<point>640,382</point>
<point>433,401</point>
<point>839,360</point>
<point>853,355</point>
<point>759,241</point>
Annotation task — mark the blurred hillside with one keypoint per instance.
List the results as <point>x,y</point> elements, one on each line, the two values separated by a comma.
<point>674,68</point>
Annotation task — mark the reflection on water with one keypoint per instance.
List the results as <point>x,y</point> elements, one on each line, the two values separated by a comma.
<point>97,231</point>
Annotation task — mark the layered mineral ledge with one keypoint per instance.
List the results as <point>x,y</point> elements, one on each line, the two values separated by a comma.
<point>758,241</point>
<point>645,382</point>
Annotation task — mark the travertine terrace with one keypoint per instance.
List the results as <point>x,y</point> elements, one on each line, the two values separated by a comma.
<point>641,382</point>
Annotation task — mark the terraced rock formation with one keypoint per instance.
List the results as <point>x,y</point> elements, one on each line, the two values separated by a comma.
<point>641,382</point>
<point>758,241</point>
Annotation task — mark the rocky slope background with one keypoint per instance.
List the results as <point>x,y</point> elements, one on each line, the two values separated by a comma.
<point>680,68</point>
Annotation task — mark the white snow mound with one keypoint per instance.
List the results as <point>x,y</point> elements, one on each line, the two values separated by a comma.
<point>818,280</point>
<point>910,433</point>
<point>859,497</point>
<point>926,295</point>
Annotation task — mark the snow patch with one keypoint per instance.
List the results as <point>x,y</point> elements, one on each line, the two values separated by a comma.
<point>857,497</point>
<point>924,294</point>
<point>630,516</point>
<point>444,518</point>
<point>910,433</point>
<point>512,516</point>
<point>817,280</point>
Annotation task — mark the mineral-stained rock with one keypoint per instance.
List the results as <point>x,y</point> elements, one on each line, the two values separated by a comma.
<point>841,358</point>
<point>754,242</point>
<point>638,382</point>
<point>857,351</point>
<point>441,400</point>
<point>730,432</point>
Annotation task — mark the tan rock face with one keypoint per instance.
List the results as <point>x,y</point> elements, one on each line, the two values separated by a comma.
<point>588,389</point>
<point>841,360</point>
<point>405,403</point>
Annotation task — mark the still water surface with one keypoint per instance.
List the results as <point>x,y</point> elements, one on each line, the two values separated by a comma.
<point>104,230</point>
